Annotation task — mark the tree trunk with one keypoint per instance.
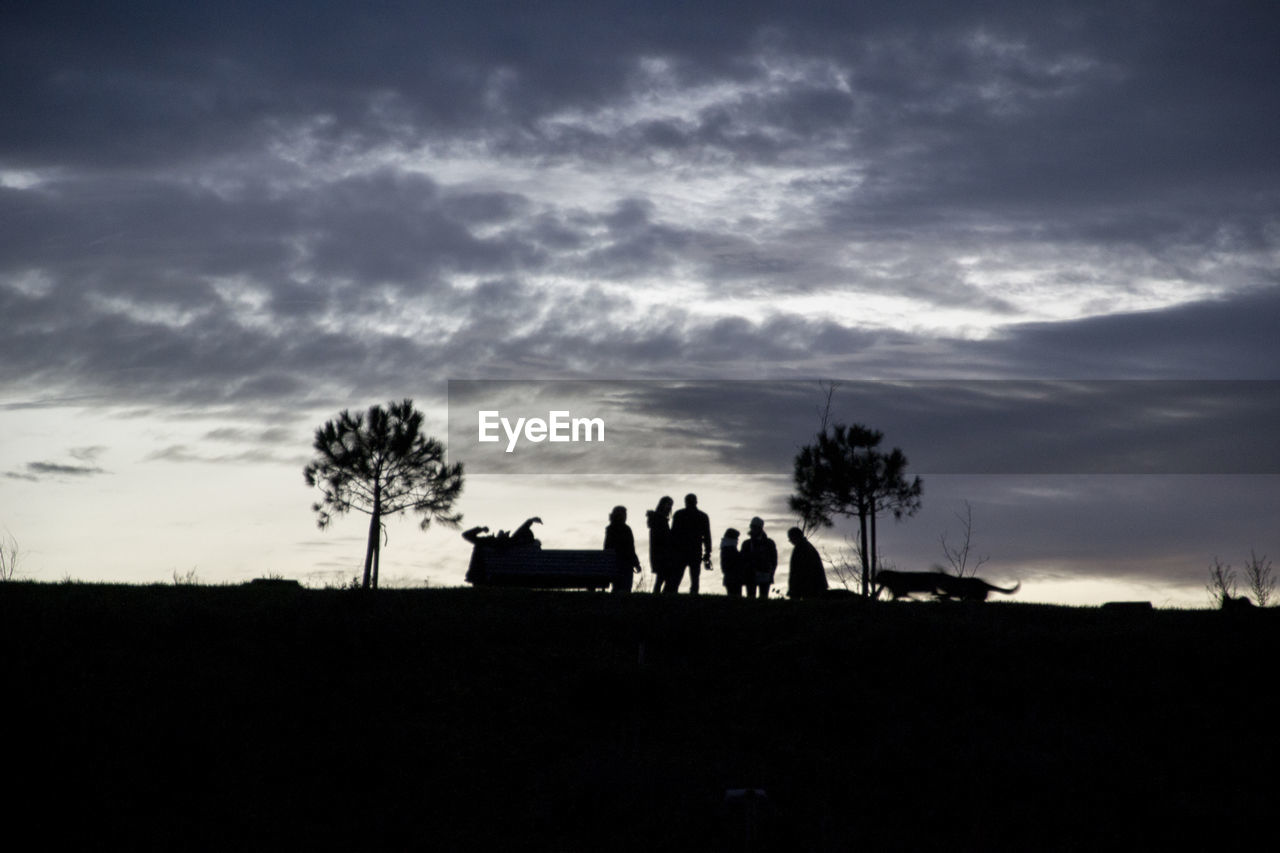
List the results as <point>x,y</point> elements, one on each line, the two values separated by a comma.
<point>875,545</point>
<point>369,549</point>
<point>862,548</point>
<point>375,538</point>
<point>377,553</point>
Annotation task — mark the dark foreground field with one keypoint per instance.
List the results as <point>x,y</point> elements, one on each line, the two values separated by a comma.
<point>242,718</point>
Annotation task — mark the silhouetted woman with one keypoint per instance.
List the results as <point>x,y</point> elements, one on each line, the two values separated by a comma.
<point>659,521</point>
<point>618,537</point>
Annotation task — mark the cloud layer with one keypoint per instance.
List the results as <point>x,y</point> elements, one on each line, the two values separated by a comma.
<point>236,206</point>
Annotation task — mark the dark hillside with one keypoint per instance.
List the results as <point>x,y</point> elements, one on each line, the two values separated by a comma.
<point>217,717</point>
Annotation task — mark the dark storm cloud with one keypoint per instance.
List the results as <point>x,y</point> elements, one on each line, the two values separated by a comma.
<point>506,328</point>
<point>161,241</point>
<point>1231,338</point>
<point>628,241</point>
<point>198,224</point>
<point>142,238</point>
<point>189,81</point>
<point>386,228</point>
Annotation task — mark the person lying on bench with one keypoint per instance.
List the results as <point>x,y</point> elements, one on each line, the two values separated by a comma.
<point>522,536</point>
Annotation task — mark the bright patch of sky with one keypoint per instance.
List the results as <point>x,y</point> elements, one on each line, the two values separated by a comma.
<point>19,179</point>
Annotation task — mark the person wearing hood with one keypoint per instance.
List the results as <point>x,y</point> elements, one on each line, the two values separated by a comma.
<point>660,559</point>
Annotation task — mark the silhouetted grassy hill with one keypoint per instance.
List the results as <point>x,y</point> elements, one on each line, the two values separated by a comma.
<point>238,717</point>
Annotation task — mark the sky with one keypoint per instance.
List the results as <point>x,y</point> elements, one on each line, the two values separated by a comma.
<point>222,225</point>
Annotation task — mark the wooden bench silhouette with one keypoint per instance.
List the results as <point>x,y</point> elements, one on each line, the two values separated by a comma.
<point>533,567</point>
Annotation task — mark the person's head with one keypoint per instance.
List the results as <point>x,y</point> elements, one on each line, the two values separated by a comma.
<point>731,534</point>
<point>796,535</point>
<point>618,515</point>
<point>665,503</point>
<point>756,528</point>
<point>690,500</point>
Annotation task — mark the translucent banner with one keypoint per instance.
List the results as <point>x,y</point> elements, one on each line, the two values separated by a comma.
<point>659,427</point>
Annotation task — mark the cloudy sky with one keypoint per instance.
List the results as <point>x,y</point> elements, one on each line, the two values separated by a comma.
<point>220,226</point>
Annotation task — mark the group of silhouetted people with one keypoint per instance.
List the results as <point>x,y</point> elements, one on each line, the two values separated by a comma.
<point>682,542</point>
<point>678,544</point>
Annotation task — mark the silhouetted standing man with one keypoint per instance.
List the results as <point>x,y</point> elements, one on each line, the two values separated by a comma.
<point>807,580</point>
<point>690,544</point>
<point>759,560</point>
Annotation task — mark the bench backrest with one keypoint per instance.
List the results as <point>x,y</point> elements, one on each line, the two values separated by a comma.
<point>557,569</point>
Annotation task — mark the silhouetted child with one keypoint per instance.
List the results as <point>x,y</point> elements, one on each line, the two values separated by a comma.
<point>731,563</point>
<point>618,537</point>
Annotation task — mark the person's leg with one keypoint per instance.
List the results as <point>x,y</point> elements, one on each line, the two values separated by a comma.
<point>695,569</point>
<point>671,585</point>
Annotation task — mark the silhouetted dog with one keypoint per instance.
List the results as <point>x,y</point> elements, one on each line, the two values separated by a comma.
<point>970,589</point>
<point>1236,604</point>
<point>938,584</point>
<point>902,584</point>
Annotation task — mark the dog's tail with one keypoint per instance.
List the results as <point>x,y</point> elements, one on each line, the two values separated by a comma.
<point>1010,591</point>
